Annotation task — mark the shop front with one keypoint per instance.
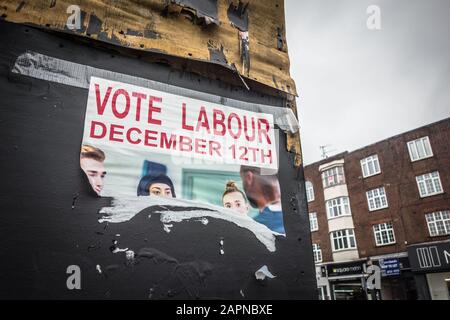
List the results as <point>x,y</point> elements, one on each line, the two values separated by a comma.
<point>323,286</point>
<point>430,263</point>
<point>397,280</point>
<point>347,281</point>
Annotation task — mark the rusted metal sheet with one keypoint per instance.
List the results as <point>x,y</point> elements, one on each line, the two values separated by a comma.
<point>212,31</point>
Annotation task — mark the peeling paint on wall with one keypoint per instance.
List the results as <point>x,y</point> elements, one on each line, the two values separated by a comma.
<point>216,54</point>
<point>204,10</point>
<point>149,31</point>
<point>94,26</point>
<point>161,26</point>
<point>293,138</point>
<point>244,47</point>
<point>238,15</point>
<point>281,39</point>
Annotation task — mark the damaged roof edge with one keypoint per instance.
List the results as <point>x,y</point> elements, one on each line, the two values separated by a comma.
<point>144,27</point>
<point>217,59</point>
<point>204,9</point>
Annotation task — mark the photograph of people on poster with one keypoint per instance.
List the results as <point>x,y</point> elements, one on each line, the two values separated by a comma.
<point>146,143</point>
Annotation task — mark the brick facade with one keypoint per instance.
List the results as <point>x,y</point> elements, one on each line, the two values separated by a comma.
<point>406,209</point>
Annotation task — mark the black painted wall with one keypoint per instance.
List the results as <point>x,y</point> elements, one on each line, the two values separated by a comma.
<point>48,215</point>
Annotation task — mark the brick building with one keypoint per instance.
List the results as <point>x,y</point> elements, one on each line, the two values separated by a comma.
<point>385,204</point>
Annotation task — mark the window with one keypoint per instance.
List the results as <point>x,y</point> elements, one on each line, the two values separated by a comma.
<point>317,253</point>
<point>370,166</point>
<point>420,149</point>
<point>384,234</point>
<point>309,191</point>
<point>196,181</point>
<point>313,221</point>
<point>438,223</point>
<point>333,176</point>
<point>429,184</point>
<point>376,198</point>
<point>338,207</point>
<point>343,239</point>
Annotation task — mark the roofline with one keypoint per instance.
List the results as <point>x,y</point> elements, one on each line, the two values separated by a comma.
<point>341,154</point>
<point>329,159</point>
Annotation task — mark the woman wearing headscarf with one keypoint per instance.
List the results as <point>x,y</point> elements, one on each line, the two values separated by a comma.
<point>158,185</point>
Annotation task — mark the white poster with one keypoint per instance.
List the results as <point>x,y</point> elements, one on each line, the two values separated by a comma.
<point>143,142</point>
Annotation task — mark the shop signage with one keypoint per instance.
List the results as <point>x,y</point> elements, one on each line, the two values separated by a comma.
<point>390,267</point>
<point>430,257</point>
<point>345,269</point>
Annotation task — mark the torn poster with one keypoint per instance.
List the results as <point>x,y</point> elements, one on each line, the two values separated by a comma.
<point>141,142</point>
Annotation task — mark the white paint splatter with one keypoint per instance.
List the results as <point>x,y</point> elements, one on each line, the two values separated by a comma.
<point>242,294</point>
<point>167,227</point>
<point>150,293</point>
<point>221,247</point>
<point>263,272</point>
<point>117,250</point>
<point>124,208</point>
<point>129,254</point>
<point>204,221</point>
<point>98,268</point>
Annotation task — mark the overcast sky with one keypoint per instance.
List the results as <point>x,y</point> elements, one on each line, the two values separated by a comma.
<point>357,86</point>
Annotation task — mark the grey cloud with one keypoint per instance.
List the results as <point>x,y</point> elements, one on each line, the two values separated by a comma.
<point>358,86</point>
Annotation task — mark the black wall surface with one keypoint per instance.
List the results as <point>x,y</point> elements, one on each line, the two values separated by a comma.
<point>49,216</point>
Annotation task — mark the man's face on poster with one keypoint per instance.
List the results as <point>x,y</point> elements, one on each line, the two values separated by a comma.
<point>161,190</point>
<point>95,171</point>
<point>247,178</point>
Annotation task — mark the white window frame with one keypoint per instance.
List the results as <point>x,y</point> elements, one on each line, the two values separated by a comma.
<point>313,222</point>
<point>441,218</point>
<point>377,199</point>
<point>309,191</point>
<point>317,253</point>
<point>344,235</point>
<point>338,176</point>
<point>385,233</point>
<point>368,163</point>
<point>338,207</point>
<point>435,184</point>
<point>417,145</point>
